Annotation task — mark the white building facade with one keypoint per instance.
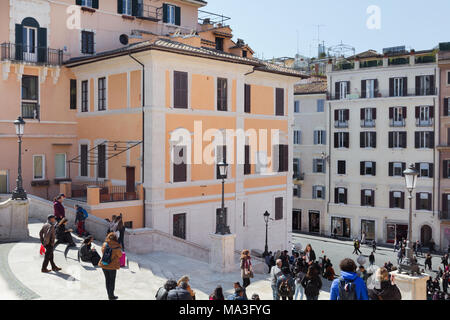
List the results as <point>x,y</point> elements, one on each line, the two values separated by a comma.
<point>382,112</point>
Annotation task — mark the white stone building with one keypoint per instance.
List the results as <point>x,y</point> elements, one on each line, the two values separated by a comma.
<point>382,111</point>
<point>310,156</point>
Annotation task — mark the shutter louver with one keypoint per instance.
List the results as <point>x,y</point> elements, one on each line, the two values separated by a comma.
<point>362,167</point>
<point>418,85</point>
<point>391,139</point>
<point>247,94</point>
<point>42,45</point>
<point>95,4</point>
<point>363,89</point>
<point>391,87</point>
<point>391,169</point>
<point>417,140</point>
<point>337,93</point>
<point>19,42</point>
<point>405,86</point>
<point>362,143</point>
<point>446,107</point>
<point>178,16</point>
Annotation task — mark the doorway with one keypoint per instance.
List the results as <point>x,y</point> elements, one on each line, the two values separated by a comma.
<point>342,226</point>
<point>297,220</point>
<point>314,221</point>
<point>426,235</point>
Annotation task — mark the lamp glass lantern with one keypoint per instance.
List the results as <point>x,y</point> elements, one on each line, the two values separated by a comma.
<point>411,175</point>
<point>266,216</point>
<point>223,169</point>
<point>20,126</point>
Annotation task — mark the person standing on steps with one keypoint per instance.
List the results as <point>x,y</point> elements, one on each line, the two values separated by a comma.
<point>246,268</point>
<point>275,272</point>
<point>47,236</point>
<point>80,220</point>
<point>110,263</point>
<point>63,235</point>
<point>58,208</point>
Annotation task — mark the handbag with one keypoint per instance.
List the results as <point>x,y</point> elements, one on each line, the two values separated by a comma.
<point>42,250</point>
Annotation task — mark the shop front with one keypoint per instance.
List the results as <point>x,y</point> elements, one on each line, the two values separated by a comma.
<point>341,226</point>
<point>314,221</point>
<point>296,220</point>
<point>396,231</point>
<point>368,227</point>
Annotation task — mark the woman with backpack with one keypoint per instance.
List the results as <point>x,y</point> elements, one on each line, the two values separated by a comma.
<point>246,268</point>
<point>286,284</point>
<point>87,253</point>
<point>110,262</point>
<point>312,284</point>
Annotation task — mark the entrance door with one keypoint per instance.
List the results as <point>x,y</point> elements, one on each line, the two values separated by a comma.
<point>402,231</point>
<point>425,235</point>
<point>347,227</point>
<point>314,221</point>
<point>29,41</point>
<point>130,178</point>
<point>3,181</point>
<point>296,220</point>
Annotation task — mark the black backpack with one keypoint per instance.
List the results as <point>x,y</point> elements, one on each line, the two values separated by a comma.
<point>284,289</point>
<point>347,290</point>
<point>312,288</point>
<point>107,255</point>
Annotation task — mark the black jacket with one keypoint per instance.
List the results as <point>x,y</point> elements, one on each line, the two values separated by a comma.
<point>388,291</point>
<point>179,294</point>
<point>162,294</point>
<point>85,253</point>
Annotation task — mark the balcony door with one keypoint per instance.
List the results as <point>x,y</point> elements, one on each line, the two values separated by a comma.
<point>29,44</point>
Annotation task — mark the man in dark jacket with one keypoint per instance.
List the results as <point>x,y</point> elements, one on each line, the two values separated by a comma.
<point>163,292</point>
<point>47,236</point>
<point>180,293</point>
<point>387,290</point>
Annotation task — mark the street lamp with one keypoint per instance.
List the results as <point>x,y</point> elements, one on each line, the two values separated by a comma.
<point>266,220</point>
<point>19,193</point>
<point>409,265</point>
<point>221,227</point>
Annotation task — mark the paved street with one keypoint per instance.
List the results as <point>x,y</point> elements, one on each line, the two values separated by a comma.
<point>337,250</point>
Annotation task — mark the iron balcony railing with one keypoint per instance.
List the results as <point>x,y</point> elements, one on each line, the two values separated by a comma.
<point>117,193</point>
<point>397,123</point>
<point>37,55</point>
<point>385,94</point>
<point>444,215</point>
<point>149,12</point>
<point>341,124</point>
<point>368,123</point>
<point>30,110</point>
<point>424,123</point>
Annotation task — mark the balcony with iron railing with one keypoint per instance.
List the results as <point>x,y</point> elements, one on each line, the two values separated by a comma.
<point>425,123</point>
<point>444,215</point>
<point>30,110</point>
<point>341,124</point>
<point>368,123</point>
<point>397,123</point>
<point>30,54</point>
<point>384,94</point>
<point>149,12</point>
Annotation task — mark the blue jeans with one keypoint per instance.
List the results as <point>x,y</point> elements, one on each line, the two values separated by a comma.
<point>299,289</point>
<point>275,292</point>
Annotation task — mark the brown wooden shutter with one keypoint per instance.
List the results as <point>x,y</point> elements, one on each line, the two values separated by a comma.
<point>417,201</point>
<point>445,106</point>
<point>405,86</point>
<point>376,88</point>
<point>362,168</point>
<point>247,165</point>
<point>337,92</point>
<point>362,198</point>
<point>348,87</point>
<point>373,139</point>
<point>336,140</point>
<point>362,143</point>
<point>431,112</point>
<point>180,84</point>
<point>363,89</point>
<point>417,140</point>
<point>431,170</point>
<point>362,114</point>
<point>404,112</point>
<point>403,139</point>
<point>430,201</point>
<point>417,112</point>
<point>374,168</point>
<point>73,94</point>
<point>247,93</point>
<point>418,85</point>
<point>445,202</point>
<point>345,196</point>
<point>374,113</point>
<point>391,199</point>
<point>278,208</point>
<point>432,85</point>
<point>346,140</point>
<point>336,195</point>
<point>101,161</point>
<point>391,139</point>
<point>373,199</point>
<point>279,102</point>
<point>391,169</point>
<point>391,87</point>
<point>391,113</point>
<point>430,139</point>
<point>336,115</point>
<point>402,201</point>
<point>347,114</point>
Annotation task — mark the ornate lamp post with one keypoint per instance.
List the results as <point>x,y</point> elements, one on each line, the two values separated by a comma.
<point>19,193</point>
<point>266,220</point>
<point>409,265</point>
<point>221,227</point>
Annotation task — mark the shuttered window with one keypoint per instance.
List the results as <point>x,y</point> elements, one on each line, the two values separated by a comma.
<point>180,90</point>
<point>171,14</point>
<point>397,199</point>
<point>85,96</point>
<point>101,161</point>
<point>247,98</point>
<point>341,167</point>
<point>101,94</point>
<point>396,169</point>
<point>283,157</point>
<point>179,164</point>
<point>340,195</point>
<point>278,208</point>
<point>222,94</point>
<point>87,42</point>
<point>368,198</point>
<point>73,94</point>
<point>279,102</point>
<point>84,160</point>
<point>423,201</point>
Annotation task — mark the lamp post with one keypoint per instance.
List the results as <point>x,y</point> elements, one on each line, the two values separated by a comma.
<point>409,265</point>
<point>19,193</point>
<point>221,227</point>
<point>266,220</point>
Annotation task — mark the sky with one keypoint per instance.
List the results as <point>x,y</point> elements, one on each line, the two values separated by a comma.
<point>273,28</point>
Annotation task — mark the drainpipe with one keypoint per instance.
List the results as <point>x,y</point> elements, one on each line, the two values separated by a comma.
<point>143,132</point>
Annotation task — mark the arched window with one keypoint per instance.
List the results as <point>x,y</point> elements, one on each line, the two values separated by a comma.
<point>31,41</point>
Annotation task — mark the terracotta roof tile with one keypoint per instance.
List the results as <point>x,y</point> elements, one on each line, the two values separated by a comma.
<point>311,88</point>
